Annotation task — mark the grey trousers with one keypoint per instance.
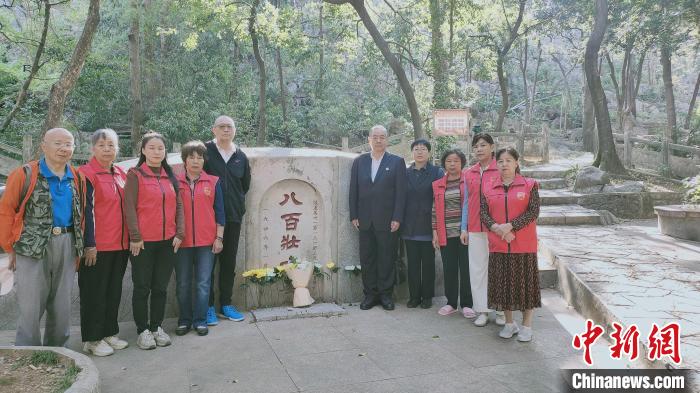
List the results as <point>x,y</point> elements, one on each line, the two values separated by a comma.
<point>45,285</point>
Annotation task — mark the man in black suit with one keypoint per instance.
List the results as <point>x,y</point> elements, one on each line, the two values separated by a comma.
<point>377,198</point>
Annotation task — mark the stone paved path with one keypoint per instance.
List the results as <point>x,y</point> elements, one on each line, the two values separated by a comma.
<point>639,274</point>
<point>406,350</point>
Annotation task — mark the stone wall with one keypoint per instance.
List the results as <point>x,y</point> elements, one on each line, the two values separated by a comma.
<point>629,204</point>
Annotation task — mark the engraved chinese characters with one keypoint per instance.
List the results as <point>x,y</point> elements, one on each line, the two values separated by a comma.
<point>291,215</point>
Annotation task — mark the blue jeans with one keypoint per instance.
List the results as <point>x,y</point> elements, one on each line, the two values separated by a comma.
<point>201,260</point>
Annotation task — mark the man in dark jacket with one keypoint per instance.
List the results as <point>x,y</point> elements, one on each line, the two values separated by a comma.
<point>230,164</point>
<point>377,198</point>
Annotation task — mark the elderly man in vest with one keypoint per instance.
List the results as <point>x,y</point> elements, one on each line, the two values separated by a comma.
<point>40,229</point>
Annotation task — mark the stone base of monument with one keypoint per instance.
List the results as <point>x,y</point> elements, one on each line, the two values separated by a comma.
<point>280,313</point>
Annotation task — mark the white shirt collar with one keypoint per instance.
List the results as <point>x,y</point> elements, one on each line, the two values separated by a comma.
<point>379,159</point>
<point>220,149</point>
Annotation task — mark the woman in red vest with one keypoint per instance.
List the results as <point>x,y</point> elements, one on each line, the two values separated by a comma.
<point>475,233</point>
<point>509,208</point>
<point>156,223</point>
<point>203,203</point>
<point>448,201</point>
<point>106,250</point>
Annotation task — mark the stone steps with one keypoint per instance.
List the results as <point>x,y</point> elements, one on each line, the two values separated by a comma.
<point>548,273</point>
<point>568,215</point>
<point>552,184</point>
<point>541,174</point>
<point>558,197</point>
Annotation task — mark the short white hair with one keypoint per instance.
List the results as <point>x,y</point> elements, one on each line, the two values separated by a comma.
<point>224,119</point>
<point>379,128</point>
<point>105,133</point>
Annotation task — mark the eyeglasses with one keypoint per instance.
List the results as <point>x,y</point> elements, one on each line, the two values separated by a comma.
<point>378,137</point>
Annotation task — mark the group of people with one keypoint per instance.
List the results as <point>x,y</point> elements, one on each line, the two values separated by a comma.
<point>481,218</point>
<point>56,219</point>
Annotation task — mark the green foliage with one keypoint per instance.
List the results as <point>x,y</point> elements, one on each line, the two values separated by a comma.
<point>692,187</point>
<point>49,358</point>
<point>68,379</point>
<point>201,64</point>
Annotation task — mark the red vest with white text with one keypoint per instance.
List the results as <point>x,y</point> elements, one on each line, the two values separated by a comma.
<point>107,206</point>
<point>476,183</point>
<point>198,205</point>
<point>504,207</point>
<point>156,204</point>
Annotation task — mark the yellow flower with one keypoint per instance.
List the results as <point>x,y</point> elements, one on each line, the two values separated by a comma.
<point>330,265</point>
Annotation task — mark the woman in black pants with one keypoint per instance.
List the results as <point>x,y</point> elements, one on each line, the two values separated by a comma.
<point>416,230</point>
<point>106,250</point>
<point>156,222</point>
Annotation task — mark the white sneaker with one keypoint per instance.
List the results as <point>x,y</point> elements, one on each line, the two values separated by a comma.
<point>162,338</point>
<point>509,329</point>
<point>500,318</point>
<point>146,340</point>
<point>525,334</point>
<point>115,342</point>
<point>98,348</point>
<point>482,319</point>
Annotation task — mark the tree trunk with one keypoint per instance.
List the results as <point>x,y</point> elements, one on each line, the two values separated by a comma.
<point>149,53</point>
<point>283,86</point>
<point>691,107</point>
<point>629,85</point>
<point>588,120</point>
<point>135,77</point>
<point>567,87</point>
<point>523,69</point>
<point>359,7</point>
<point>671,130</point>
<point>451,55</point>
<point>534,83</point>
<point>66,82</point>
<point>502,57</point>
<point>319,87</point>
<point>438,56</point>
<point>638,80</point>
<point>607,158</point>
<point>22,95</point>
<point>262,118</point>
<point>503,85</point>
<point>618,93</point>
<point>283,97</point>
<point>235,61</point>
<point>467,63</point>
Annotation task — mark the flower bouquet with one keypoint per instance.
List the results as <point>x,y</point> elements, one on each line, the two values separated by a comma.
<point>299,274</point>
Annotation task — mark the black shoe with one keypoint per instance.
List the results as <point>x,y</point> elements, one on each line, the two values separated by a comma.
<point>202,330</point>
<point>426,303</point>
<point>182,330</point>
<point>387,303</point>
<point>413,303</point>
<point>368,303</point>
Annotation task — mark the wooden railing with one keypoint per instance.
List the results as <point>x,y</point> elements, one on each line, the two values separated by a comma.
<point>628,140</point>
